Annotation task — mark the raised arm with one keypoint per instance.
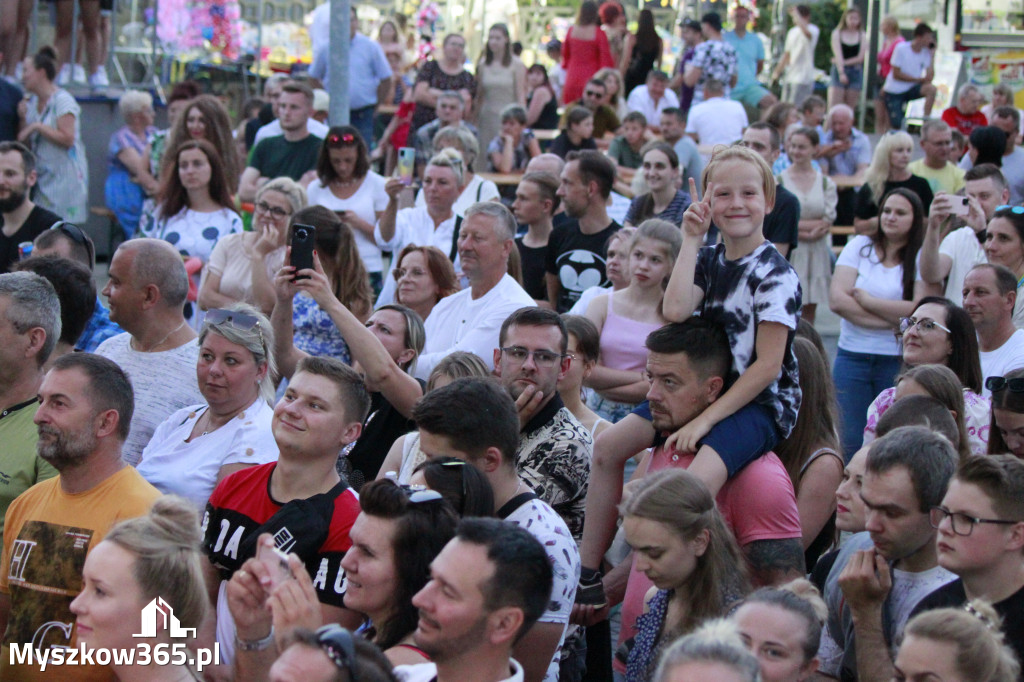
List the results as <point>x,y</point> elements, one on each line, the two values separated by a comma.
<point>935,267</point>
<point>682,296</point>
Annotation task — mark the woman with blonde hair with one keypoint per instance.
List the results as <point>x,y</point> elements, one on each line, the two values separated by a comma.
<point>157,556</point>
<point>474,187</point>
<point>956,645</point>
<point>889,169</point>
<point>889,39</point>
<point>681,543</point>
<point>849,47</point>
<point>782,627</point>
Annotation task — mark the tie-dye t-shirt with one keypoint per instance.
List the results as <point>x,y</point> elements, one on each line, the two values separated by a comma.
<point>741,294</point>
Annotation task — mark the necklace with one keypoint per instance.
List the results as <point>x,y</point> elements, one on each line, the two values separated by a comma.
<point>345,183</point>
<point>158,343</point>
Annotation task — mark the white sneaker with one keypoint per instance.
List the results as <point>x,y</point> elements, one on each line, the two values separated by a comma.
<point>64,77</point>
<point>78,73</point>
<point>99,79</point>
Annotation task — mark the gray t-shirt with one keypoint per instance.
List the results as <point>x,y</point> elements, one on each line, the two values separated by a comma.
<point>163,382</point>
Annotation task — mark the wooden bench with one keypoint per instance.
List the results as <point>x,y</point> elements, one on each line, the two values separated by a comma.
<point>841,230</point>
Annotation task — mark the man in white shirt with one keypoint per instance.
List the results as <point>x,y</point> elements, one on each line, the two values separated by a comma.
<point>962,248</point>
<point>990,292</point>
<point>653,98</point>
<point>471,319</point>
<point>911,76</point>
<point>716,120</point>
<point>476,421</point>
<point>797,61</point>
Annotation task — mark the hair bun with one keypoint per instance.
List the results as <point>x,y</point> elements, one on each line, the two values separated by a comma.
<point>178,519</point>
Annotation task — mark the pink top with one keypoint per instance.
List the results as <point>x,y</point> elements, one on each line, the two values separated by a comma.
<point>581,59</point>
<point>758,503</point>
<point>622,341</point>
<point>885,57</point>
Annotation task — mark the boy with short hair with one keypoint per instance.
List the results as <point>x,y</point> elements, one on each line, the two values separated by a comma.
<point>624,149</point>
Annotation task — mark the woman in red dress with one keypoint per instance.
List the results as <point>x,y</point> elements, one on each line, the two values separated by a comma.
<point>584,52</point>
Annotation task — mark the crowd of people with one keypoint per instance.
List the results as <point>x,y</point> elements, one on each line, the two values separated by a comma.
<point>579,427</point>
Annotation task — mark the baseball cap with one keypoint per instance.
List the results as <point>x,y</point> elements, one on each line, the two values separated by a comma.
<point>691,24</point>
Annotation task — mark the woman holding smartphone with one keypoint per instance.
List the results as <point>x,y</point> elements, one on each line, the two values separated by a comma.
<point>346,185</point>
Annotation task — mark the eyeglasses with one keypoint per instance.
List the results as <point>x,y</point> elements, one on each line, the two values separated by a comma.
<point>399,273</point>
<point>336,141</point>
<point>996,384</point>
<point>1016,210</point>
<point>75,234</point>
<point>961,524</point>
<point>276,211</point>
<point>240,321</point>
<point>925,325</point>
<point>543,358</point>
<point>592,93</point>
<point>339,646</point>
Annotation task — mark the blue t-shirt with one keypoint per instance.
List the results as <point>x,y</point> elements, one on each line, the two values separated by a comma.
<point>741,294</point>
<point>749,51</point>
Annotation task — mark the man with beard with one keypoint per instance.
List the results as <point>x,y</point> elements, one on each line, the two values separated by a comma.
<point>85,407</point>
<point>476,421</point>
<point>20,219</point>
<point>487,588</point>
<point>554,452</point>
<point>577,249</point>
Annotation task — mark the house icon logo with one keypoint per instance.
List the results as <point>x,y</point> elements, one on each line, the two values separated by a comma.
<point>159,612</point>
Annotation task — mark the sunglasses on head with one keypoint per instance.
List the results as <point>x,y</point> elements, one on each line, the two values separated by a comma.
<point>345,139</point>
<point>1016,210</point>
<point>337,643</point>
<point>240,321</point>
<point>75,234</point>
<point>996,384</point>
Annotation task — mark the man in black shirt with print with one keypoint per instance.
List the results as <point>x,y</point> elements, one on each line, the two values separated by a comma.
<point>20,219</point>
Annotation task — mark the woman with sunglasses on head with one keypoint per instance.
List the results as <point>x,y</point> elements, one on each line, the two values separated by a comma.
<point>385,349</point>
<point>194,206</point>
<point>196,447</point>
<point>346,185</point>
<point>1006,432</point>
<point>467,490</point>
<point>939,332</point>
<point>242,264</point>
<point>875,283</point>
<point>1005,246</point>
<point>329,653</point>
<point>423,277</point>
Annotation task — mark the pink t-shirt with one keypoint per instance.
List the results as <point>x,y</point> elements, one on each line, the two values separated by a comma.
<point>758,503</point>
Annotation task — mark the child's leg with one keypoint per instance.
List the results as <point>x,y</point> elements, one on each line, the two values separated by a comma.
<point>733,443</point>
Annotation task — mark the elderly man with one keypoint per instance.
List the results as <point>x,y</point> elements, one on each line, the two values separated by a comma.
<point>935,167</point>
<point>652,99</point>
<point>147,291</point>
<point>965,116</point>
<point>450,110</point>
<point>471,319</point>
<point>990,292</point>
<point>845,151</point>
<point>749,62</point>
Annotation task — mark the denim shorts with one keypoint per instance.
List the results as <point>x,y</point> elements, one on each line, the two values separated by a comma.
<point>855,74</point>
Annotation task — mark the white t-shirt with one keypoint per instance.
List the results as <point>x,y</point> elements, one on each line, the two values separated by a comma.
<point>877,280</point>
<point>1002,360</point>
<point>313,126</point>
<point>425,672</point>
<point>911,63</point>
<point>801,55</point>
<point>544,523</point>
<point>368,200</point>
<point>963,247</point>
<point>717,121</point>
<point>907,590</point>
<point>163,383</point>
<point>478,189</point>
<point>459,322</point>
<point>190,469</point>
<point>641,100</point>
<point>414,226</point>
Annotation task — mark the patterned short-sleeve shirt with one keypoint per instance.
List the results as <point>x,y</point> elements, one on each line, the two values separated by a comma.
<point>716,59</point>
<point>741,294</point>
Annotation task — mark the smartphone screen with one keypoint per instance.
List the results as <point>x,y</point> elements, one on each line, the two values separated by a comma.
<point>406,163</point>
<point>276,563</point>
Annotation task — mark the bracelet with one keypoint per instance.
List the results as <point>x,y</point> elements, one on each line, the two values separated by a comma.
<point>255,644</point>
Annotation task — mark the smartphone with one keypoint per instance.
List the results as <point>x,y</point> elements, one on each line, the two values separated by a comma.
<point>303,241</point>
<point>276,563</point>
<point>406,162</point>
<point>961,206</point>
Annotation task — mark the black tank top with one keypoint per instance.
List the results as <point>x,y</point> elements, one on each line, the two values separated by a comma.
<point>850,51</point>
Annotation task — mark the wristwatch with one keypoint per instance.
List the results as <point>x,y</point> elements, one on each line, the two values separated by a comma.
<point>255,644</point>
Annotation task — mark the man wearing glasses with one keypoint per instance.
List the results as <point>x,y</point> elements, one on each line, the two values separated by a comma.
<point>980,527</point>
<point>880,575</point>
<point>20,219</point>
<point>606,121</point>
<point>554,452</point>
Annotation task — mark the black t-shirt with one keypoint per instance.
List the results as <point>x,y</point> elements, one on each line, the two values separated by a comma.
<point>1011,610</point>
<point>383,426</point>
<point>577,259</point>
<point>532,259</point>
<point>38,221</point>
<point>10,95</point>
<point>781,226</point>
<point>867,203</point>
<point>561,145</point>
